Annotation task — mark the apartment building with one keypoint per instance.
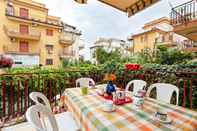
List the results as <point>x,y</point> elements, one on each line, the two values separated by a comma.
<point>157,32</point>
<point>30,36</point>
<point>109,44</point>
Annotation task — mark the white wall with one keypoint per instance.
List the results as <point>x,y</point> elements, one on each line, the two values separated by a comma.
<point>26,60</point>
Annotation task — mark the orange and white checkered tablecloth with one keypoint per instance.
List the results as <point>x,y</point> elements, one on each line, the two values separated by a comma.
<point>88,113</point>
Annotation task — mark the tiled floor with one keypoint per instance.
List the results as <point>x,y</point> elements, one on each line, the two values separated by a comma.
<point>19,127</point>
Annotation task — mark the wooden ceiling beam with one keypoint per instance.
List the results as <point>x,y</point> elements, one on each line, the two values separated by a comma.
<point>143,3</point>
<point>137,6</point>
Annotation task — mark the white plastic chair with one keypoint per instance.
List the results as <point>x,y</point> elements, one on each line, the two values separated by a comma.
<point>35,96</point>
<point>137,85</point>
<point>164,92</point>
<point>85,82</point>
<point>32,115</point>
<point>62,117</point>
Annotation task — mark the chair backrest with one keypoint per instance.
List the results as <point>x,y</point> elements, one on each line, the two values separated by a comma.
<point>164,92</point>
<point>35,96</point>
<point>85,82</point>
<point>137,85</point>
<point>32,115</point>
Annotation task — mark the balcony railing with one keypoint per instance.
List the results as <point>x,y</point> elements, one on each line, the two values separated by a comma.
<point>168,41</point>
<point>10,13</point>
<point>15,33</point>
<point>184,13</point>
<point>11,50</point>
<point>53,84</point>
<point>189,46</point>
<point>81,46</point>
<point>66,39</point>
<point>66,54</point>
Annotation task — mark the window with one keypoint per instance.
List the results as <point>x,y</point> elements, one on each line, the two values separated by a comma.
<point>49,32</point>
<point>49,61</point>
<point>49,49</point>
<point>142,38</point>
<point>163,38</point>
<point>24,13</point>
<point>23,46</point>
<point>170,37</point>
<point>145,38</point>
<point>24,29</point>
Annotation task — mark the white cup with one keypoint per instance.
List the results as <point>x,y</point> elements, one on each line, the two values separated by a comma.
<point>138,101</point>
<point>108,105</point>
<point>161,114</point>
<point>120,94</point>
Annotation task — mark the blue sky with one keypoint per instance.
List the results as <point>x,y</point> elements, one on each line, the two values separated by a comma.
<point>96,19</point>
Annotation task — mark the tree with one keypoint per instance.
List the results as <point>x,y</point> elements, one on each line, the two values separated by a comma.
<point>143,57</point>
<point>103,56</point>
<point>171,56</point>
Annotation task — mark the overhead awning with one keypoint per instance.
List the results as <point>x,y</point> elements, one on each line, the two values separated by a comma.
<point>129,6</point>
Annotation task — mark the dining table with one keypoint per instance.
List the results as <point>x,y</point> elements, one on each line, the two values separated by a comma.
<point>88,113</point>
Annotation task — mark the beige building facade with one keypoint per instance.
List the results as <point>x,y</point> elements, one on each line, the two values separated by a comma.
<point>30,36</point>
<point>156,33</point>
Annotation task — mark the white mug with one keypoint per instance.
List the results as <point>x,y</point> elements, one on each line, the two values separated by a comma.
<point>108,105</point>
<point>120,94</point>
<point>138,101</point>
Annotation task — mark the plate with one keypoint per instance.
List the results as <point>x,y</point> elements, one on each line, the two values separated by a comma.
<point>98,92</point>
<point>106,110</point>
<point>167,121</point>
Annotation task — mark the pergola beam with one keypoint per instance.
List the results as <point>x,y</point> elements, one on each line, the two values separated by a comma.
<point>131,7</point>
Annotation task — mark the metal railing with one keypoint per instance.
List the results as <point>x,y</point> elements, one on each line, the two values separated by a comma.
<point>187,44</point>
<point>184,13</point>
<point>66,53</point>
<point>67,39</point>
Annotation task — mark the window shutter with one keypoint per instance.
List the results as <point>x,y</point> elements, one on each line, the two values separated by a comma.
<point>24,46</point>
<point>49,32</point>
<point>24,29</point>
<point>24,12</point>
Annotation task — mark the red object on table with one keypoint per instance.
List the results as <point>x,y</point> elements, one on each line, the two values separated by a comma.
<point>108,97</point>
<point>118,102</point>
<point>123,101</point>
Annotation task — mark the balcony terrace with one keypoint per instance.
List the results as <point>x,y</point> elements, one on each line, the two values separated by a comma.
<point>189,46</point>
<point>66,54</point>
<point>184,19</point>
<point>15,33</point>
<point>20,85</point>
<point>66,40</point>
<point>81,46</point>
<point>31,20</point>
<point>10,50</point>
<point>166,41</point>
